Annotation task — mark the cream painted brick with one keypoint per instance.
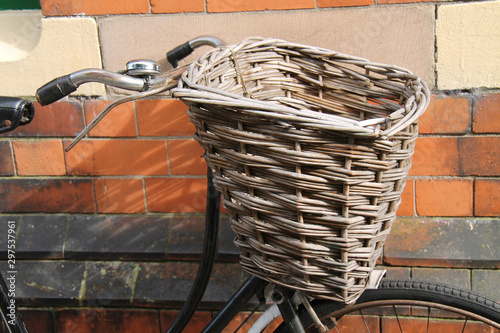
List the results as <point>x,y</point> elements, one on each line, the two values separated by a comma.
<point>400,35</point>
<point>468,45</point>
<point>66,45</point>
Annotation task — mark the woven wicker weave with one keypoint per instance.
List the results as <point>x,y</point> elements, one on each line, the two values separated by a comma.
<point>310,149</point>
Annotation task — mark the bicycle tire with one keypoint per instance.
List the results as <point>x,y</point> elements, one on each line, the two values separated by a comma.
<point>409,298</point>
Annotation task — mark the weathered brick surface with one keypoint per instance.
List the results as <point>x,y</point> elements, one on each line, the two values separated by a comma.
<point>116,237</point>
<point>186,237</point>
<point>92,7</point>
<point>397,273</point>
<point>446,115</point>
<point>199,320</point>
<point>39,158</point>
<point>120,195</point>
<point>111,321</point>
<point>487,197</point>
<point>47,195</point>
<point>215,6</point>
<point>343,3</point>
<point>444,197</point>
<point>42,236</point>
<point>163,117</point>
<point>484,282</point>
<point>486,115</point>
<point>480,156</point>
<point>436,156</point>
<point>403,1</point>
<point>118,157</point>
<point>119,122</point>
<point>392,324</point>
<point>173,6</point>
<point>47,283</point>
<point>168,284</point>
<point>177,195</point>
<point>454,277</point>
<point>38,321</point>
<point>7,222</point>
<point>109,283</point>
<point>6,162</point>
<point>186,157</point>
<point>460,243</point>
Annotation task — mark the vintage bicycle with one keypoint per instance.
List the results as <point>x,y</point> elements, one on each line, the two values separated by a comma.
<point>309,149</point>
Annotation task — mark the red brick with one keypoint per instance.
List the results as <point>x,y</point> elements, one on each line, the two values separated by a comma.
<point>196,324</point>
<point>186,157</point>
<point>413,324</point>
<point>217,6</point>
<point>119,122</point>
<point>444,197</point>
<point>63,118</point>
<point>343,3</point>
<point>446,115</point>
<point>240,318</point>
<point>353,324</point>
<point>176,195</point>
<point>174,6</point>
<point>120,196</point>
<point>118,157</point>
<point>436,157</point>
<point>38,320</point>
<point>163,117</point>
<point>407,208</point>
<point>109,321</point>
<point>487,197</point>
<point>47,195</point>
<point>486,114</point>
<point>39,158</point>
<point>480,156</point>
<point>381,2</point>
<point>93,7</point>
<point>6,161</point>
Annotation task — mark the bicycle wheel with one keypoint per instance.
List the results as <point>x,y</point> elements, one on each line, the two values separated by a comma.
<point>407,306</point>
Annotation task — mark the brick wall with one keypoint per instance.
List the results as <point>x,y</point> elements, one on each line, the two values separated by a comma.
<point>116,224</point>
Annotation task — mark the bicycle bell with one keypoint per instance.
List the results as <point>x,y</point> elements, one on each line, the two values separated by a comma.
<point>142,67</point>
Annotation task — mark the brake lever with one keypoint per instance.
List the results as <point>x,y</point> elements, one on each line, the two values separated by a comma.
<point>167,86</point>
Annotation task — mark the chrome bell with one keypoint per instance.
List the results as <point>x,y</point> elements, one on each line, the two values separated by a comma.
<point>143,67</point>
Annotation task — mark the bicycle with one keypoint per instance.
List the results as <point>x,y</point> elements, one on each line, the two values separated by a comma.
<point>379,305</point>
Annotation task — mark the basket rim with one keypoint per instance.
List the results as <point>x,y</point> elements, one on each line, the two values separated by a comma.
<point>191,92</point>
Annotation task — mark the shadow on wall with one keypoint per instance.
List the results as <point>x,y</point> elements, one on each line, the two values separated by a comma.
<point>119,168</point>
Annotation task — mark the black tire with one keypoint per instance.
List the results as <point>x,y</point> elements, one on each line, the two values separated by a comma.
<point>396,302</point>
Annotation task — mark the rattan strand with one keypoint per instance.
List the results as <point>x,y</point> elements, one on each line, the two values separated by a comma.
<point>310,149</point>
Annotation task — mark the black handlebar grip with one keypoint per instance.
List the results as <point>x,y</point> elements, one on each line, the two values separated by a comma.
<point>178,53</point>
<point>55,90</point>
<point>15,112</point>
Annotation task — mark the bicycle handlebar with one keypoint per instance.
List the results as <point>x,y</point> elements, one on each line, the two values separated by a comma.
<point>65,85</point>
<point>180,52</point>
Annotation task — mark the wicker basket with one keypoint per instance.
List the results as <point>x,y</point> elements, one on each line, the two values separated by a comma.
<point>310,149</point>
